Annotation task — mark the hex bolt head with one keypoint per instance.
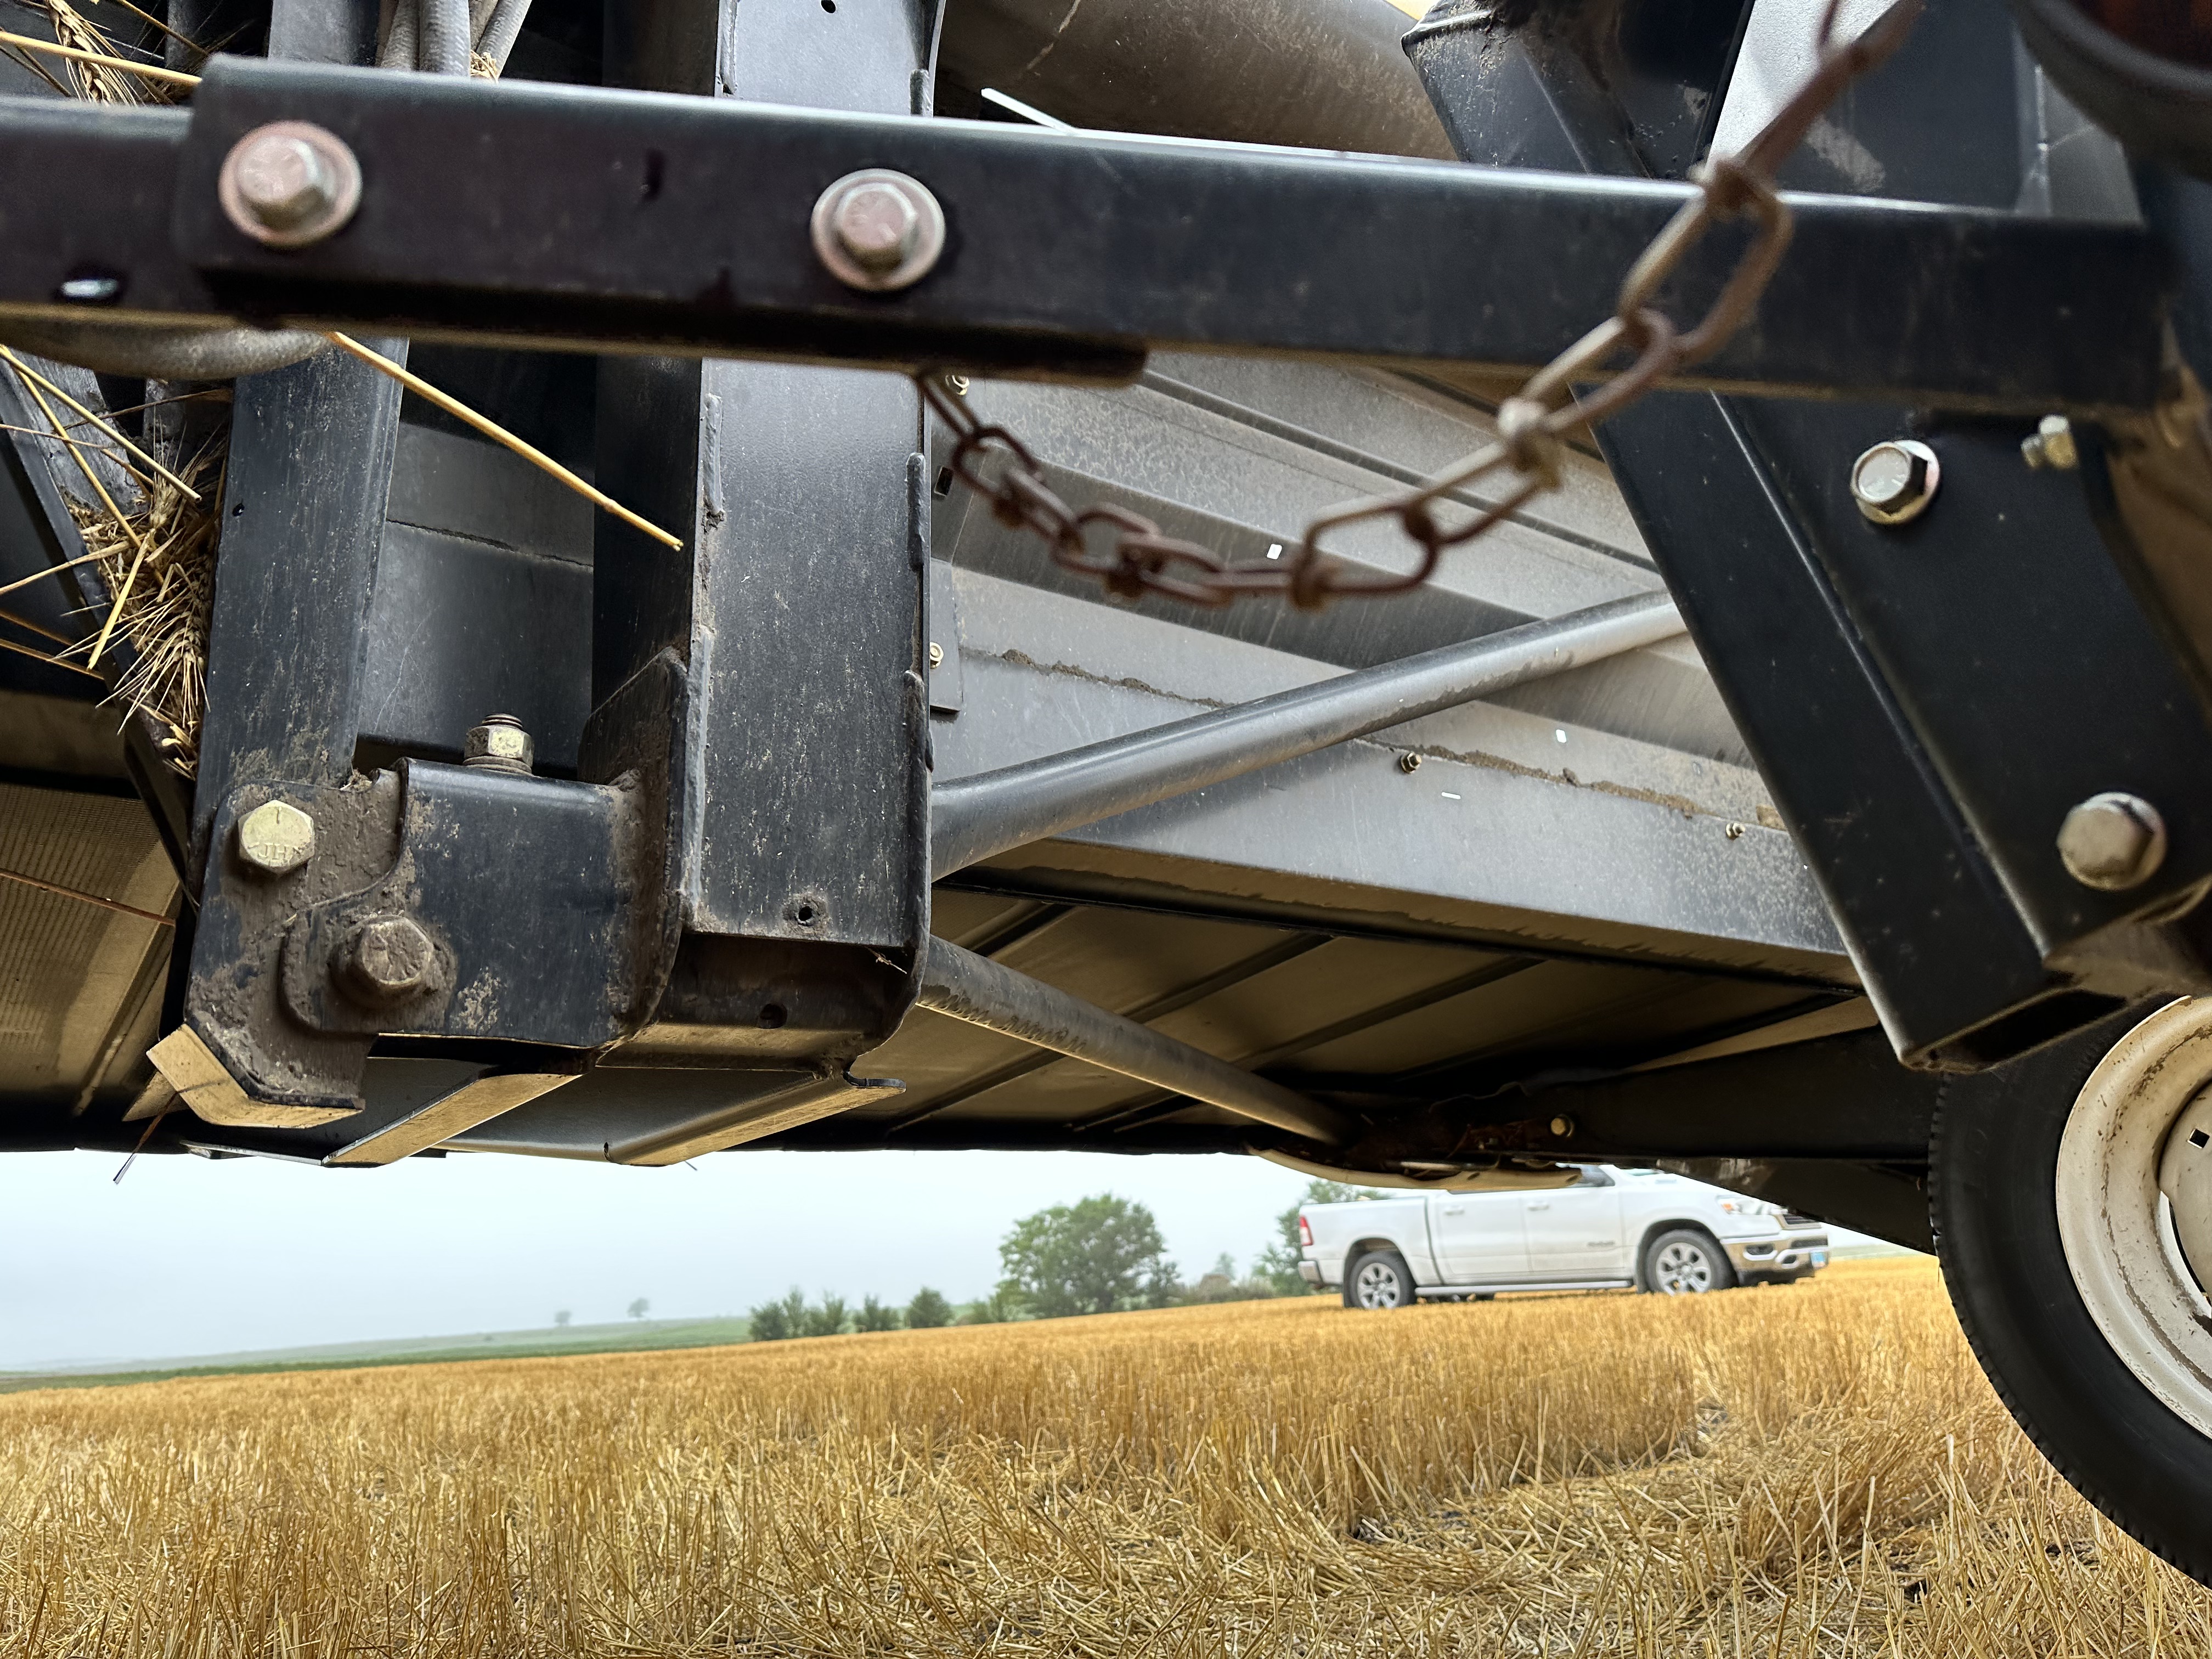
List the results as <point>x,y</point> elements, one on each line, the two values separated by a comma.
<point>1409,760</point>
<point>878,229</point>
<point>2113,841</point>
<point>2051,444</point>
<point>1894,482</point>
<point>290,184</point>
<point>283,182</point>
<point>499,745</point>
<point>1563,1126</point>
<point>276,838</point>
<point>876,226</point>
<point>389,958</point>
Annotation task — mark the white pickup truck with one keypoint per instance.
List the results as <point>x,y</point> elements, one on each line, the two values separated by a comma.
<point>1611,1228</point>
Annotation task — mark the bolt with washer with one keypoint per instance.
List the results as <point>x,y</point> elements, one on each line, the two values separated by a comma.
<point>499,745</point>
<point>1409,762</point>
<point>290,184</point>
<point>878,230</point>
<point>389,958</point>
<point>1563,1126</point>
<point>1894,482</point>
<point>2051,444</point>
<point>2113,841</point>
<point>276,838</point>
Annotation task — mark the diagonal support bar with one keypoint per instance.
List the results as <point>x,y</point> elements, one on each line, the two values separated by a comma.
<point>978,818</point>
<point>983,993</point>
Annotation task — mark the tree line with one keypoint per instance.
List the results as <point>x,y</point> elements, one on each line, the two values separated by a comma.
<point>1103,1254</point>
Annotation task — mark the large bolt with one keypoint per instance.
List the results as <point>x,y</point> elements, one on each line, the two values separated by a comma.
<point>499,745</point>
<point>878,229</point>
<point>389,959</point>
<point>276,838</point>
<point>288,184</point>
<point>2113,841</point>
<point>1895,481</point>
<point>876,226</point>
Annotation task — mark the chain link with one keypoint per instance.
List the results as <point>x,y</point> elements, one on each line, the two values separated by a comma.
<point>1131,555</point>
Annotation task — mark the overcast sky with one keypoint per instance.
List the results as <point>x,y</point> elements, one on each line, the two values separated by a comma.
<point>190,1257</point>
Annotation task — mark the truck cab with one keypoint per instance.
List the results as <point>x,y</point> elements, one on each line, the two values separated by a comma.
<point>1588,1227</point>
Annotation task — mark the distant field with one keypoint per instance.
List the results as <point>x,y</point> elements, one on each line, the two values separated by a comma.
<point>1818,1469</point>
<point>631,1336</point>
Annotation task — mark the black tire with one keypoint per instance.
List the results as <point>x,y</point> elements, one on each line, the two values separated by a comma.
<point>1994,1164</point>
<point>1685,1261</point>
<point>1379,1269</point>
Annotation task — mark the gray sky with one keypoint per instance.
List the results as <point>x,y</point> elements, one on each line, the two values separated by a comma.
<point>188,1257</point>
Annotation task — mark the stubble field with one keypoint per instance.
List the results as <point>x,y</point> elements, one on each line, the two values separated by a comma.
<point>1813,1470</point>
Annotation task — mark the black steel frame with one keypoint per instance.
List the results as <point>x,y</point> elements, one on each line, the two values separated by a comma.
<point>1887,683</point>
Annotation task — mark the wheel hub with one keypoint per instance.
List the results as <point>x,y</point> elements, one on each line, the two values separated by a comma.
<point>1684,1271</point>
<point>1379,1287</point>
<point>2135,1204</point>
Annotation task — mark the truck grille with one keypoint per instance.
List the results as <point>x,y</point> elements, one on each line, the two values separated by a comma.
<point>1799,1218</point>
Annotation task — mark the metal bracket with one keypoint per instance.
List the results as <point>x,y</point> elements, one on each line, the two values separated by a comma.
<point>440,900</point>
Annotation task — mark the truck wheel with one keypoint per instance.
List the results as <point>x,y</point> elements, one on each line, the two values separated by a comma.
<point>2072,1212</point>
<point>1379,1280</point>
<point>1686,1262</point>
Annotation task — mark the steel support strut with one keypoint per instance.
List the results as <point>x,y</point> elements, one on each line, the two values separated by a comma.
<point>976,818</point>
<point>585,218</point>
<point>975,989</point>
<point>1914,690</point>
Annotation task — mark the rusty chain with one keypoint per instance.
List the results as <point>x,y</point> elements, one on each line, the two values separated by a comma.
<point>1134,557</point>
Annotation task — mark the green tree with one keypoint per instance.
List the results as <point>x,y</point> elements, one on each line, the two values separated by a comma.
<point>774,1321</point>
<point>875,1316</point>
<point>928,1310</point>
<point>1002,1306</point>
<point>1278,1263</point>
<point>1095,1256</point>
<point>826,1317</point>
<point>639,1308</point>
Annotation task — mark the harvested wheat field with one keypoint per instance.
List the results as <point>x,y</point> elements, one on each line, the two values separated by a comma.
<point>1818,1469</point>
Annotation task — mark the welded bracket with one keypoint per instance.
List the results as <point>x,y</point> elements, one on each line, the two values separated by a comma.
<point>439,902</point>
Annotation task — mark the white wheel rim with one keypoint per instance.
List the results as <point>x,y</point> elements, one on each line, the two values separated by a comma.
<point>2121,1233</point>
<point>1683,1269</point>
<point>1378,1286</point>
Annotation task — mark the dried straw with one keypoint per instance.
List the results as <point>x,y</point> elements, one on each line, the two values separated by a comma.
<point>159,561</point>
<point>1815,1472</point>
<point>96,71</point>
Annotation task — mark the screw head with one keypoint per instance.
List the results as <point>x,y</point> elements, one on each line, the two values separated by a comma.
<point>1894,482</point>
<point>1409,760</point>
<point>276,838</point>
<point>1563,1126</point>
<point>288,184</point>
<point>878,229</point>
<point>389,958</point>
<point>500,745</point>
<point>936,654</point>
<point>2113,841</point>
